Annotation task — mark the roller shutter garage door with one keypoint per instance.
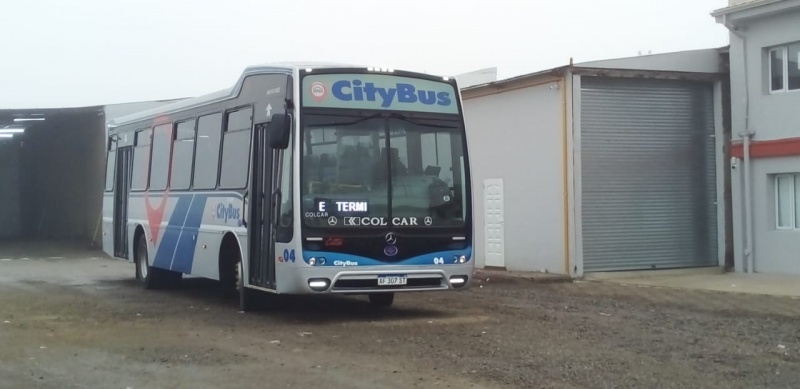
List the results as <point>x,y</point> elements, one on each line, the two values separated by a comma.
<point>648,174</point>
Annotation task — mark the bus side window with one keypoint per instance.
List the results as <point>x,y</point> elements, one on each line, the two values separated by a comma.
<point>235,149</point>
<point>159,167</point>
<point>141,159</point>
<point>111,164</point>
<point>182,153</point>
<point>206,158</point>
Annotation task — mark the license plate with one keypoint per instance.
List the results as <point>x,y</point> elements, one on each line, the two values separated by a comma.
<point>392,280</point>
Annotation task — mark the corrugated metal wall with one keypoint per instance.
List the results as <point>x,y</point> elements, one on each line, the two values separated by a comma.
<point>648,174</point>
<point>10,226</point>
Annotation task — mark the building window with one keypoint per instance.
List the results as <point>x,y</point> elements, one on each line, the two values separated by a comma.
<point>787,201</point>
<point>784,68</point>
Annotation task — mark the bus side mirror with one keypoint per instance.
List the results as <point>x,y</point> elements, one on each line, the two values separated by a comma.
<point>279,130</point>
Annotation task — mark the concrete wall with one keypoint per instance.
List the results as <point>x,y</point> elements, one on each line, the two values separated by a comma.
<point>775,251</point>
<point>517,136</point>
<point>698,61</point>
<point>771,116</point>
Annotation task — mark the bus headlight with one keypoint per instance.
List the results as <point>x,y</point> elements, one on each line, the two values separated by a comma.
<point>318,284</point>
<point>458,281</point>
<point>312,261</point>
<point>459,259</point>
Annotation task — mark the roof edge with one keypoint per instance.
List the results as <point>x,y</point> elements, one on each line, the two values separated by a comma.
<point>743,7</point>
<point>552,72</point>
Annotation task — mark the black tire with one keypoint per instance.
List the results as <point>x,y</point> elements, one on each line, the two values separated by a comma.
<point>152,277</point>
<point>228,279</point>
<point>144,273</point>
<point>229,258</point>
<point>231,277</point>
<point>246,298</point>
<point>381,300</point>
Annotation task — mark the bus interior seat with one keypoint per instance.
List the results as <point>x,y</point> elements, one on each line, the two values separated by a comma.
<point>327,167</point>
<point>434,171</point>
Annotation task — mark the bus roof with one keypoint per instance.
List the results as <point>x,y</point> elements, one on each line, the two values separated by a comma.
<point>224,94</point>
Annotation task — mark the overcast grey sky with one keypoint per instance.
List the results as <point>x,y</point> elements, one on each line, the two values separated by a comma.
<point>58,53</point>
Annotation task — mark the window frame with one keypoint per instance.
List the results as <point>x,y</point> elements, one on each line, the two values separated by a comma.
<point>785,67</point>
<point>793,224</point>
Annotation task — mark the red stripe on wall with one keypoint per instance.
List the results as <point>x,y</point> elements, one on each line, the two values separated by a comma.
<point>768,148</point>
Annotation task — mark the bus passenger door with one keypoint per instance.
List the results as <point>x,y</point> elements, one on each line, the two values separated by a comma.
<point>262,270</point>
<point>123,188</point>
<point>268,93</point>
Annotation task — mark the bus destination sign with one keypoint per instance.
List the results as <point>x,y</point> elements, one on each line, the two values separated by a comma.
<point>378,91</point>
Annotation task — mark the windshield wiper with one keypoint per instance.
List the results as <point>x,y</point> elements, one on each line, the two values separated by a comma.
<point>412,121</point>
<point>350,123</point>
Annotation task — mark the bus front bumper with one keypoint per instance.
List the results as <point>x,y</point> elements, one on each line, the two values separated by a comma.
<point>364,280</point>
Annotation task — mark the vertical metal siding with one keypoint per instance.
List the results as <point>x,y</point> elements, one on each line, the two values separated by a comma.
<point>649,174</point>
<point>10,222</point>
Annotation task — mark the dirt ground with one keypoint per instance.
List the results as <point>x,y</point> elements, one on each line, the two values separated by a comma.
<point>79,320</point>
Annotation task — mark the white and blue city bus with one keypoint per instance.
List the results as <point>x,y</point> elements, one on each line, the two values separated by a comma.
<point>299,179</point>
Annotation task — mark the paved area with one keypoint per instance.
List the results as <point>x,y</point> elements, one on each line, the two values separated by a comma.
<point>68,321</point>
<point>709,279</point>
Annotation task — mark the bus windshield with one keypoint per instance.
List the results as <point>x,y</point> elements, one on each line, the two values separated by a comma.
<point>382,170</point>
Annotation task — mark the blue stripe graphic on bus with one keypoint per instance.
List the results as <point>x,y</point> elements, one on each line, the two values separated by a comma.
<point>184,253</point>
<point>348,260</point>
<point>166,247</point>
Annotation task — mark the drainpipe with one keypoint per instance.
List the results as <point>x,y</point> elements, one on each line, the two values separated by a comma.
<point>748,207</point>
<point>747,136</point>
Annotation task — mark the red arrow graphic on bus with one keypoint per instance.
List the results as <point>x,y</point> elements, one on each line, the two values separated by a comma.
<point>155,215</point>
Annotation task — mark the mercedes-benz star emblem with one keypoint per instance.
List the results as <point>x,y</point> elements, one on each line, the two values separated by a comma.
<point>332,220</point>
<point>390,238</point>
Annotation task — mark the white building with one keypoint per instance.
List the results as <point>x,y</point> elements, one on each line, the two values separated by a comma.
<point>765,101</point>
<point>609,165</point>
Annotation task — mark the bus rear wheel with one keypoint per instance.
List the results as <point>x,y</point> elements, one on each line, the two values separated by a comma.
<point>381,300</point>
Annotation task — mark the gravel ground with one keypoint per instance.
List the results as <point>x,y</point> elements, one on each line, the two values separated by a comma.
<point>73,321</point>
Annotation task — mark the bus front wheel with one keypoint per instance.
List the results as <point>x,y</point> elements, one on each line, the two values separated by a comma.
<point>381,300</point>
<point>232,276</point>
<point>246,300</point>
